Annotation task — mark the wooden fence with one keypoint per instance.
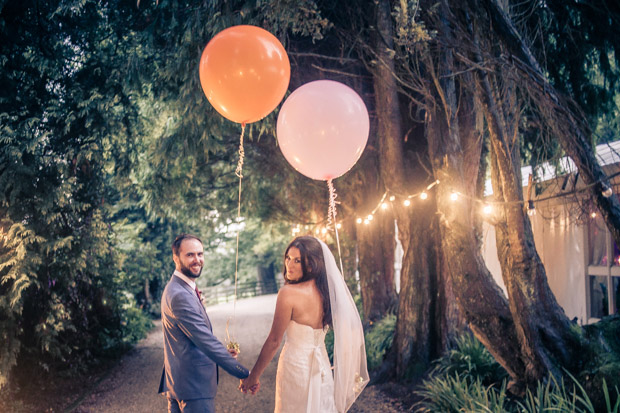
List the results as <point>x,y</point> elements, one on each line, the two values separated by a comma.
<point>223,294</point>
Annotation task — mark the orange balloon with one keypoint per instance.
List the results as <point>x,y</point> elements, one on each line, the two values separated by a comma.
<point>244,72</point>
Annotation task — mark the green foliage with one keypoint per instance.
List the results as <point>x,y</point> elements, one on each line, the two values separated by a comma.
<point>555,396</point>
<point>379,340</point>
<point>135,325</point>
<point>458,394</point>
<point>470,359</point>
<point>469,379</point>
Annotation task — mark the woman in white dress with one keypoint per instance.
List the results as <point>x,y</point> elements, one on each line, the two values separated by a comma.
<point>313,299</point>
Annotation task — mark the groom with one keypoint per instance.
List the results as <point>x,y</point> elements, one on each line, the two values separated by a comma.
<point>192,353</point>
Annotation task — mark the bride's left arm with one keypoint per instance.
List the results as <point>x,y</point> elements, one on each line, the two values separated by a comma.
<point>281,318</point>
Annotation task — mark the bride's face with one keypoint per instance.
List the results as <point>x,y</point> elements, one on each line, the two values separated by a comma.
<point>292,261</point>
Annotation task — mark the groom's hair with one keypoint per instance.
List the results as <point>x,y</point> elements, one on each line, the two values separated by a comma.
<point>313,268</point>
<point>176,244</point>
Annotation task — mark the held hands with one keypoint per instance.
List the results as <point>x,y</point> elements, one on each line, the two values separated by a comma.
<point>250,384</point>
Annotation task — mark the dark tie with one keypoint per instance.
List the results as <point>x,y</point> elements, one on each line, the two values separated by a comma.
<point>198,294</point>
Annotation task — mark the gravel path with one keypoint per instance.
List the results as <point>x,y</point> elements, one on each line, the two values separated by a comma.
<point>132,385</point>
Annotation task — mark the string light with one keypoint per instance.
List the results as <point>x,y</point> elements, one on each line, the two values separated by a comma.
<point>593,215</point>
<point>338,226</point>
<point>487,208</point>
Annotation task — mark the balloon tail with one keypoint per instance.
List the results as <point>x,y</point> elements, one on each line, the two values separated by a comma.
<point>239,173</point>
<point>331,218</point>
<point>239,170</point>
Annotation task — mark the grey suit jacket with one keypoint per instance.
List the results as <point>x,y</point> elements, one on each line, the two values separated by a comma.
<point>191,351</point>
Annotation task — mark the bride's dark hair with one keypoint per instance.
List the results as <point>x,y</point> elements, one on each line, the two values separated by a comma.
<point>313,268</point>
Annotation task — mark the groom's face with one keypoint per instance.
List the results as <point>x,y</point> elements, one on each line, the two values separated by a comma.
<point>190,258</point>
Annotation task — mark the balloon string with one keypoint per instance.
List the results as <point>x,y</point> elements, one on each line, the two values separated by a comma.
<point>331,218</point>
<point>239,170</point>
<point>239,173</point>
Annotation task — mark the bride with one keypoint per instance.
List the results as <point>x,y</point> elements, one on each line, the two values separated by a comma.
<point>313,299</point>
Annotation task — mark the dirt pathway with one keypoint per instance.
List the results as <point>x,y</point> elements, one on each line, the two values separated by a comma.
<point>132,385</point>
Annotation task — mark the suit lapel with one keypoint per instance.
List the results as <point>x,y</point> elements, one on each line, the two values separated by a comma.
<point>195,298</point>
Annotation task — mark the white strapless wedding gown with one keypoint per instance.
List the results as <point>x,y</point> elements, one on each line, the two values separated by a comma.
<point>304,381</point>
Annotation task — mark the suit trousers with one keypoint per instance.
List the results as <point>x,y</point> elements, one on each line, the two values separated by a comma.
<point>191,406</point>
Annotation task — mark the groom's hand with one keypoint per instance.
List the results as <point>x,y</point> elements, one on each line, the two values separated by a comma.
<point>233,352</point>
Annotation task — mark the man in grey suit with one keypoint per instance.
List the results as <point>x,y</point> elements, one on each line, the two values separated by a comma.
<point>192,353</point>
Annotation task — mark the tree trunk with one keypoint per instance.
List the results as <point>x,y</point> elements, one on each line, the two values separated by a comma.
<point>267,279</point>
<point>376,267</point>
<point>480,300</point>
<point>416,337</point>
<point>545,339</point>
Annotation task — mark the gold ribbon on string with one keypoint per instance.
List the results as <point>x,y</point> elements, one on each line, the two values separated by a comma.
<point>230,343</point>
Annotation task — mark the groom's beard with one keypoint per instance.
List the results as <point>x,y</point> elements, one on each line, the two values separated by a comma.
<point>186,271</point>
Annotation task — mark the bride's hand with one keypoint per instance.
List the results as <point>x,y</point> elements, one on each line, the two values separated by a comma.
<point>250,384</point>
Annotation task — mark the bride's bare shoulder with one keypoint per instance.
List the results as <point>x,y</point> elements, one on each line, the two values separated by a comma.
<point>295,289</point>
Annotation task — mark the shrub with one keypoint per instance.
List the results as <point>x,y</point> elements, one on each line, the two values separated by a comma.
<point>454,393</point>
<point>379,340</point>
<point>470,359</point>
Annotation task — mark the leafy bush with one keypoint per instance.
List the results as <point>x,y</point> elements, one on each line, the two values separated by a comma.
<point>469,379</point>
<point>470,359</point>
<point>554,396</point>
<point>379,340</point>
<point>454,393</point>
<point>135,325</point>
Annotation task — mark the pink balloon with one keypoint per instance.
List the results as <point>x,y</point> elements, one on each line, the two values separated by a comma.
<point>322,129</point>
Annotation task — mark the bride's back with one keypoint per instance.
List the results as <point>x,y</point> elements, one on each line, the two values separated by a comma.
<point>307,304</point>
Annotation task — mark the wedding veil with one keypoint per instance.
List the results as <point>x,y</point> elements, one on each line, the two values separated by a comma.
<point>350,371</point>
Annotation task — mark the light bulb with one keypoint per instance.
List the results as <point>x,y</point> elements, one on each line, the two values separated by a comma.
<point>392,198</point>
<point>370,217</point>
<point>384,205</point>
<point>407,202</point>
<point>454,196</point>
<point>423,195</point>
<point>359,220</point>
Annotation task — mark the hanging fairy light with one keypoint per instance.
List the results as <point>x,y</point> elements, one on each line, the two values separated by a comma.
<point>487,209</point>
<point>454,196</point>
<point>370,217</point>
<point>338,225</point>
<point>423,195</point>
<point>406,202</point>
<point>593,215</point>
<point>392,198</point>
<point>384,205</point>
<point>359,220</point>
